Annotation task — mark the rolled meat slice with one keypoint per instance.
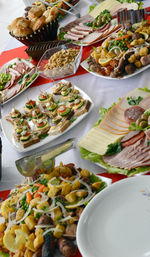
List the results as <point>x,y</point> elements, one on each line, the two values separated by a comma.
<point>133,113</point>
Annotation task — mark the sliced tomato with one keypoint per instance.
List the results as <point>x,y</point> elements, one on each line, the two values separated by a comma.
<point>62,109</point>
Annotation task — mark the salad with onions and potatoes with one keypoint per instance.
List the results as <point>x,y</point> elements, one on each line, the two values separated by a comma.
<point>42,215</point>
<point>122,53</point>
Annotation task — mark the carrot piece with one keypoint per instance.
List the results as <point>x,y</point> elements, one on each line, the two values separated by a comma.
<point>29,197</point>
<point>40,190</point>
<point>128,44</point>
<point>37,185</point>
<point>125,36</point>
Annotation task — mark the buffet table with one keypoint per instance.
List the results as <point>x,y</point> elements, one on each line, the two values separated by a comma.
<point>103,92</point>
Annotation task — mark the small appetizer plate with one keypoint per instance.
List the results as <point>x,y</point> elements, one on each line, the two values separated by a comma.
<point>117,221</point>
<point>19,103</point>
<point>85,65</point>
<point>22,74</point>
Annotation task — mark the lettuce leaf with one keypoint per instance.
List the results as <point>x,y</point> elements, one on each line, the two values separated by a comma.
<point>146,89</point>
<point>94,157</point>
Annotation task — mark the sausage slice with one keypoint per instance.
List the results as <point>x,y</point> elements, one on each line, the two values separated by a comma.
<point>133,113</point>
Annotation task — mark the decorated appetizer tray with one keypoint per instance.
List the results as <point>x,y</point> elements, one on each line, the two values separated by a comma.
<point>15,77</point>
<point>122,55</point>
<point>46,115</point>
<point>53,202</point>
<point>123,131</point>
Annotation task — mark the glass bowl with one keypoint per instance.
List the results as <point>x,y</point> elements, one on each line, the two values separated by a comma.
<point>63,71</point>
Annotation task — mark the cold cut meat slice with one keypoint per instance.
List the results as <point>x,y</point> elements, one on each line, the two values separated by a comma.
<point>133,140</point>
<point>72,37</point>
<point>79,36</point>
<point>83,28</point>
<point>130,135</point>
<point>85,33</point>
<point>133,113</point>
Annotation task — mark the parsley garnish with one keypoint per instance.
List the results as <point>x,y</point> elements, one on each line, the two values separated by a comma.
<point>132,101</point>
<point>113,148</point>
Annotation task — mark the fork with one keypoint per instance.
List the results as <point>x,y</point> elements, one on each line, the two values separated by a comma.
<point>131,16</point>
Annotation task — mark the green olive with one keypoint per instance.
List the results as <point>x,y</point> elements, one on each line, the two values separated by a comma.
<point>138,121</point>
<point>143,124</point>
<point>144,116</point>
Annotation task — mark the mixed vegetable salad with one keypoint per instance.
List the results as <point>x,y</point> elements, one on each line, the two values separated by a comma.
<point>42,214</point>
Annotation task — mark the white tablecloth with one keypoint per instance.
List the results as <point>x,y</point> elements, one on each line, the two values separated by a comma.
<point>103,93</point>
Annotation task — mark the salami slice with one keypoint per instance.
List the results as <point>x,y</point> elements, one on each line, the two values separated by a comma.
<point>133,113</point>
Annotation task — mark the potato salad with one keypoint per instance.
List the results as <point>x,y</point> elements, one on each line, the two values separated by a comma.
<point>41,215</point>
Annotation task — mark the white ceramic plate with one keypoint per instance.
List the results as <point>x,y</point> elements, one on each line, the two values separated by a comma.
<point>116,223</point>
<point>6,65</point>
<point>19,104</point>
<point>85,65</point>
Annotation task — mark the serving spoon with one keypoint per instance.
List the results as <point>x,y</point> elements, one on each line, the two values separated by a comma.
<point>44,160</point>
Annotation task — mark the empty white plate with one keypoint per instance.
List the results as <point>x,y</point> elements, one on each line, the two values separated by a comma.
<point>116,223</point>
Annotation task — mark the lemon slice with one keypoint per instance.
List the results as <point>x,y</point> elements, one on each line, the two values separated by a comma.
<point>104,61</point>
<point>6,208</point>
<point>13,242</point>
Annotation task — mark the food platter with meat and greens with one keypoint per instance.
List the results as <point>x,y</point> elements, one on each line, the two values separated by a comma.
<point>15,77</point>
<point>122,55</point>
<point>120,140</point>
<point>88,30</point>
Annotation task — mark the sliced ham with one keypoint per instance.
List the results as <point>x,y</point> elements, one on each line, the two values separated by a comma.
<point>94,36</point>
<point>133,140</point>
<point>72,37</point>
<point>83,19</point>
<point>132,156</point>
<point>130,135</point>
<point>83,28</point>
<point>85,33</point>
<point>79,36</point>
<point>21,68</point>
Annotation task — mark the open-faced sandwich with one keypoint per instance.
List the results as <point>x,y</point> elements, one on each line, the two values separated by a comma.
<point>40,217</point>
<point>56,111</point>
<point>120,141</point>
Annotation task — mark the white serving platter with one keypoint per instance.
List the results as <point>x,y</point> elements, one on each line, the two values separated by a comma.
<point>25,87</point>
<point>19,103</point>
<point>117,221</point>
<point>85,65</point>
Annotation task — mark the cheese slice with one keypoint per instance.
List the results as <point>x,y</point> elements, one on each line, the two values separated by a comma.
<point>97,140</point>
<point>112,6</point>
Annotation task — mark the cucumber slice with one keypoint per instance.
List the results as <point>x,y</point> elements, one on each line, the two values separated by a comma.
<point>80,105</point>
<point>66,112</point>
<point>66,92</point>
<point>25,138</point>
<point>38,117</point>
<point>52,107</point>
<point>16,115</point>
